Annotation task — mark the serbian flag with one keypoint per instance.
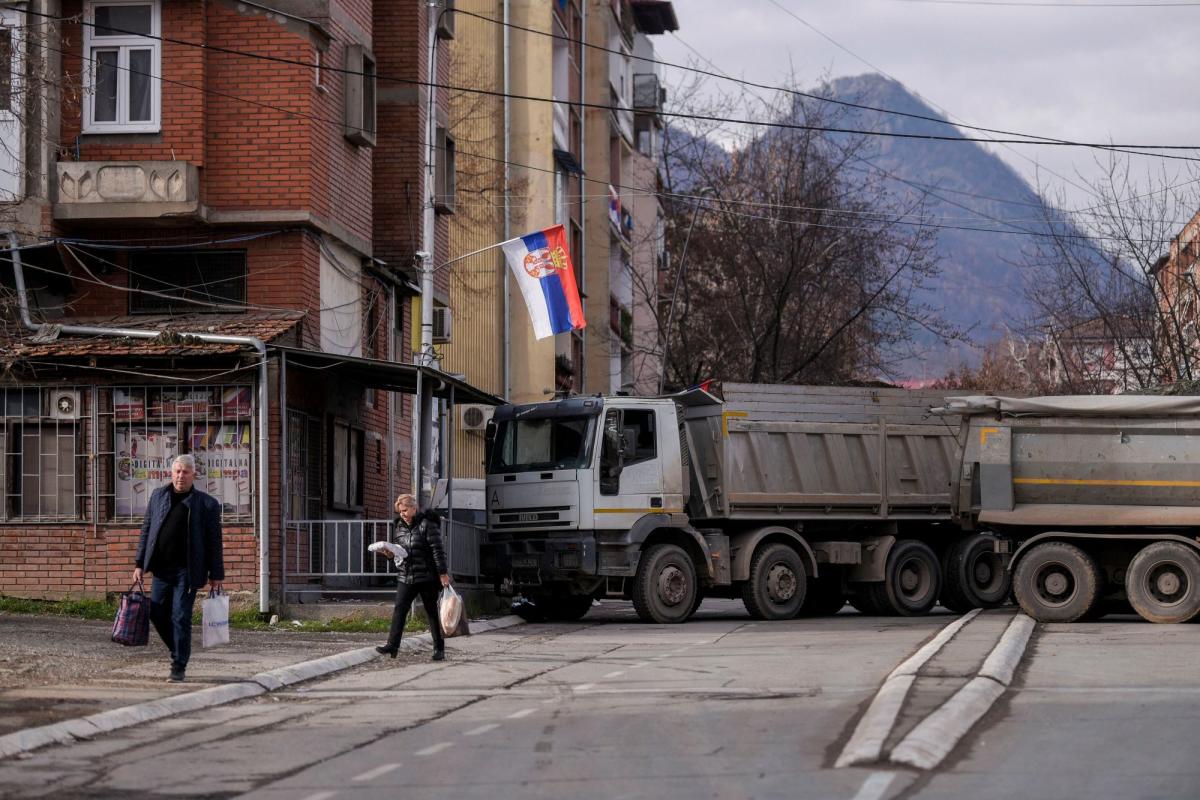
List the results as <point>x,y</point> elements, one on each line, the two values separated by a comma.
<point>541,265</point>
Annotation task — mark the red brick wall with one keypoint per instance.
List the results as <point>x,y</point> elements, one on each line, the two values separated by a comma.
<point>70,560</point>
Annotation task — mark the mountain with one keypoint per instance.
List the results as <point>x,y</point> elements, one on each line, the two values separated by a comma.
<point>987,212</point>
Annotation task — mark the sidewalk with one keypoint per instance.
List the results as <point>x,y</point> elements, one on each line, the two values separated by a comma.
<point>58,669</point>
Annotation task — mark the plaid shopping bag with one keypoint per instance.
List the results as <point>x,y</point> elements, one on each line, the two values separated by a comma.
<point>132,625</point>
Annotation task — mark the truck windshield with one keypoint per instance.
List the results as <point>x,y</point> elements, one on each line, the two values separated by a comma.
<point>527,445</point>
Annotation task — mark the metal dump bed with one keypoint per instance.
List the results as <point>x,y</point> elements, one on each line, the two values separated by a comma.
<point>812,452</point>
<point>1124,461</point>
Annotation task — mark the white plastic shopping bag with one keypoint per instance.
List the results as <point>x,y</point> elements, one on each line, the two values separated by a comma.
<point>452,614</point>
<point>215,618</point>
<point>395,551</point>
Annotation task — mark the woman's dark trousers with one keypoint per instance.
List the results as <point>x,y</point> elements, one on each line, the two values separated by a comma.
<point>406,593</point>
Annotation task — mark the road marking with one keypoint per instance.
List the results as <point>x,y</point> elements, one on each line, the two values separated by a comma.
<point>616,674</point>
<point>372,774</point>
<point>875,785</point>
<point>866,743</point>
<point>524,712</point>
<point>320,796</point>
<point>491,726</point>
<point>640,664</point>
<point>935,736</point>
<point>434,748</point>
<point>583,687</point>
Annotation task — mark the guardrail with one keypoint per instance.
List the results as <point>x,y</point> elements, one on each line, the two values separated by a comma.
<point>325,556</point>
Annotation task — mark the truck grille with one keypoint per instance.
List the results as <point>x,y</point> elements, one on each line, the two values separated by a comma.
<point>545,517</point>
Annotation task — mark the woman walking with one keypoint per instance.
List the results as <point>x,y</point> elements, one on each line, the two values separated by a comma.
<point>422,572</point>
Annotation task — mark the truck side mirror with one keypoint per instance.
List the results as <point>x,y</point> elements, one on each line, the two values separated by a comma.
<point>489,441</point>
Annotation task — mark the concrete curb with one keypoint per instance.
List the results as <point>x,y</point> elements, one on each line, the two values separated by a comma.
<point>935,736</point>
<point>866,743</point>
<point>72,730</point>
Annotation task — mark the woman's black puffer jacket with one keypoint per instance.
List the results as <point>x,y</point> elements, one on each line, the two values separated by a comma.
<point>423,541</point>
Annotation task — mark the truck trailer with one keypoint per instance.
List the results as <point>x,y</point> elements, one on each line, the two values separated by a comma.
<point>794,499</point>
<point>1095,501</point>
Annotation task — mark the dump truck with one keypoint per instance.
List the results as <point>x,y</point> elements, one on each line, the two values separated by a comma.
<point>794,499</point>
<point>1094,501</point>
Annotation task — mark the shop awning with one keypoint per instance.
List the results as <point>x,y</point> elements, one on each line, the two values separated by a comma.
<point>388,375</point>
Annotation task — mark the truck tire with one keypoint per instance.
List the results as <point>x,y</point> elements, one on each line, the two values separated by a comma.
<point>822,597</point>
<point>777,583</point>
<point>973,576</point>
<point>912,580</point>
<point>1163,582</point>
<point>1056,582</point>
<point>665,587</point>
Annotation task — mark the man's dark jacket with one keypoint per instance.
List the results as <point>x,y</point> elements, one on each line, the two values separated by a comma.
<point>205,557</point>
<point>423,541</point>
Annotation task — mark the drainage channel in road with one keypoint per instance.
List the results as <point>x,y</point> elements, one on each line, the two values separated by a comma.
<point>932,700</point>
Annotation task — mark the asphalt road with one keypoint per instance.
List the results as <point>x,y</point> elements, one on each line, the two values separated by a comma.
<point>720,707</point>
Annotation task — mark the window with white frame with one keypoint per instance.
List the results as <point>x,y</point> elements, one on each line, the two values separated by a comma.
<point>122,66</point>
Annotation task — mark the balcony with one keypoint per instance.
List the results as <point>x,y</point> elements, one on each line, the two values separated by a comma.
<point>105,190</point>
<point>648,94</point>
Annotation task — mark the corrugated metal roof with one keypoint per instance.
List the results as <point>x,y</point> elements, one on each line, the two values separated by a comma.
<point>174,342</point>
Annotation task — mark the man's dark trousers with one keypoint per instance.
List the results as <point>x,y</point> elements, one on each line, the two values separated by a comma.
<point>406,593</point>
<point>171,603</point>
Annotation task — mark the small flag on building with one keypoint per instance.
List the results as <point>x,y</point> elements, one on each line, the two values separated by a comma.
<point>541,265</point>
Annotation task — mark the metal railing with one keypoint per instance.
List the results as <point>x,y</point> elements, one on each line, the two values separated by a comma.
<point>327,556</point>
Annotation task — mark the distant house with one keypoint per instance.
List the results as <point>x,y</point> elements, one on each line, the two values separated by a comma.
<point>1100,356</point>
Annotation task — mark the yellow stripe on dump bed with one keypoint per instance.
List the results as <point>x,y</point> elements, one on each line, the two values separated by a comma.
<point>1101,482</point>
<point>725,415</point>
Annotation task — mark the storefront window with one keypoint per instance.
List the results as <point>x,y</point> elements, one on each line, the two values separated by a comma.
<point>153,424</point>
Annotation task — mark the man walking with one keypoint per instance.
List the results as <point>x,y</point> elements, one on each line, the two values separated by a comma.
<point>181,546</point>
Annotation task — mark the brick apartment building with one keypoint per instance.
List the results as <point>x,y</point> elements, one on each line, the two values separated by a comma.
<point>176,205</point>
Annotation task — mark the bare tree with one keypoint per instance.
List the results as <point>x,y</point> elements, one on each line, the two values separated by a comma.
<point>1115,309</point>
<point>797,269</point>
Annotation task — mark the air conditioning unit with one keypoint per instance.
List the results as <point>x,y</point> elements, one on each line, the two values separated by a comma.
<point>62,404</point>
<point>474,417</point>
<point>442,319</point>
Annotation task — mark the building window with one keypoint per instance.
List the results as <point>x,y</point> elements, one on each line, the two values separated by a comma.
<point>41,462</point>
<point>304,466</point>
<point>173,281</point>
<point>360,95</point>
<point>122,67</point>
<point>153,424</point>
<point>444,181</point>
<point>346,461</point>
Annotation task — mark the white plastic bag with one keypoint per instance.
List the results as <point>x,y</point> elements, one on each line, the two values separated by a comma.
<point>215,618</point>
<point>397,553</point>
<point>450,611</point>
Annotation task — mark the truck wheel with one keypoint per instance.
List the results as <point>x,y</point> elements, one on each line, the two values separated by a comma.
<point>1056,582</point>
<point>665,588</point>
<point>974,576</point>
<point>566,608</point>
<point>822,597</point>
<point>777,583</point>
<point>1163,582</point>
<point>911,582</point>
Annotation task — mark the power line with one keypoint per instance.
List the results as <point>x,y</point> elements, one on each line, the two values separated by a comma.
<point>1130,149</point>
<point>461,152</point>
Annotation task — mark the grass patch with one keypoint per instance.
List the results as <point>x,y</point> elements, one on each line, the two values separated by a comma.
<point>243,619</point>
<point>82,609</point>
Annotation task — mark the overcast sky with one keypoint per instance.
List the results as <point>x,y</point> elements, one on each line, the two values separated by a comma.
<point>1084,73</point>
